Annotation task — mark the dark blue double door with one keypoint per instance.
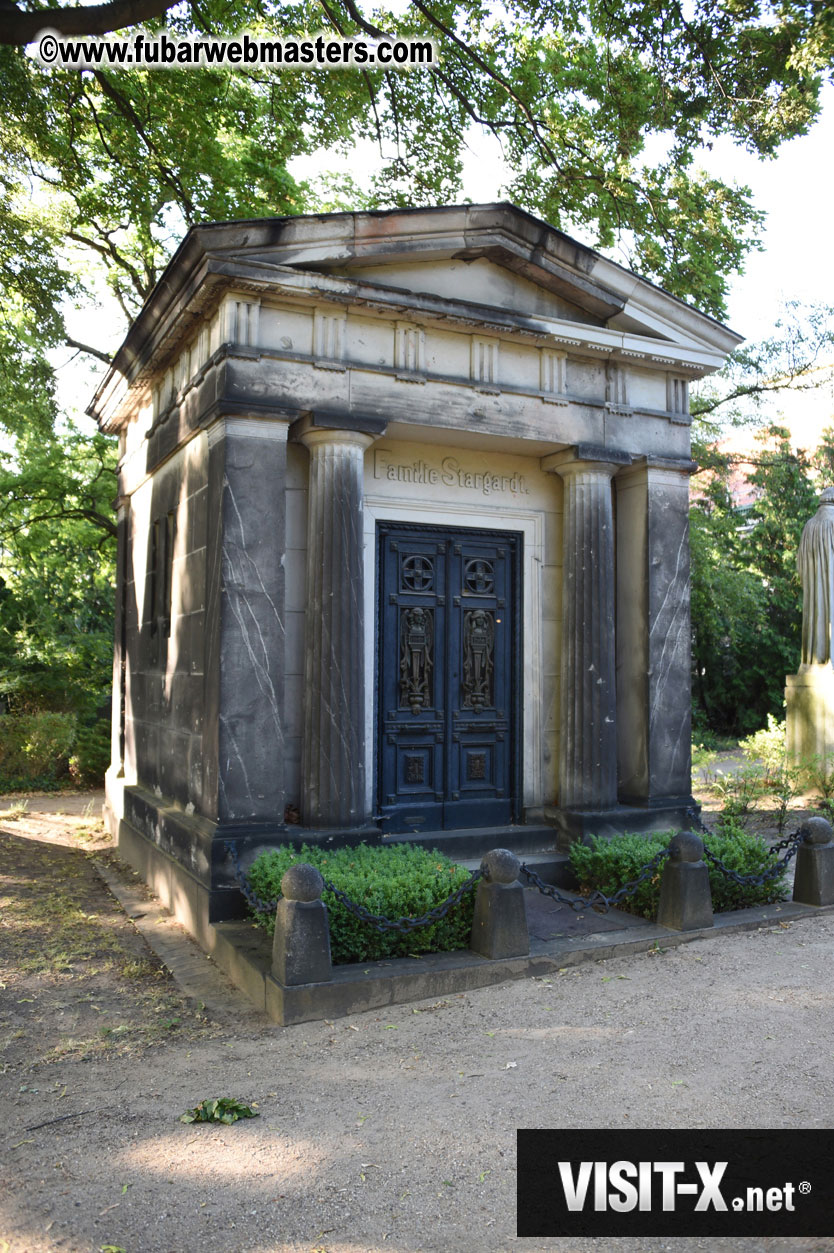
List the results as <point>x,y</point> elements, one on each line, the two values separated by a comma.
<point>448,665</point>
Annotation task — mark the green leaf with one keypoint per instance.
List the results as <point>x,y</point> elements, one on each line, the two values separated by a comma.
<point>224,1110</point>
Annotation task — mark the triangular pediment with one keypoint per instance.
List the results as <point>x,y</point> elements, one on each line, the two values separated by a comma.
<point>482,281</point>
<point>491,255</point>
<point>491,266</point>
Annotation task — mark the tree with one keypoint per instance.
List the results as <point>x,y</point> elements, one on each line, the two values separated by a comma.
<point>56,575</point>
<point>102,172</point>
<point>746,594</point>
<point>746,597</point>
<point>122,159</point>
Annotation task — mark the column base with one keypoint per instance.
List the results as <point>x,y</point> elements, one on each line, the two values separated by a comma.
<point>809,700</point>
<point>577,824</point>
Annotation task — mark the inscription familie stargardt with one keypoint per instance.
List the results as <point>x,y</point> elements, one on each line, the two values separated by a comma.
<point>450,473</point>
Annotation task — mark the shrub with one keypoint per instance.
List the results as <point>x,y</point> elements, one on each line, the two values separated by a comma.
<point>92,754</point>
<point>740,792</point>
<point>606,865</point>
<point>767,746</point>
<point>34,747</point>
<point>399,881</point>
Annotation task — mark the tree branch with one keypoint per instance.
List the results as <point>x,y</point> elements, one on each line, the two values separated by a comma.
<point>60,513</point>
<point>94,352</point>
<point>96,19</point>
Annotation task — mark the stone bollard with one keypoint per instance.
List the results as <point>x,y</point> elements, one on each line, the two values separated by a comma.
<point>814,879</point>
<point>499,926</point>
<point>685,897</point>
<point>301,948</point>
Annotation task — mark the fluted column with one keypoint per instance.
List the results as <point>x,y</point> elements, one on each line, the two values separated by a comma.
<point>588,703</point>
<point>333,753</point>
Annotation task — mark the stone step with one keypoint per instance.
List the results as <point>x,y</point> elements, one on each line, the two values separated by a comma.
<point>473,842</point>
<point>554,868</point>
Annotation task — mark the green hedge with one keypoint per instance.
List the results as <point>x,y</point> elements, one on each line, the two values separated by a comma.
<point>400,881</point>
<point>605,865</point>
<point>34,747</point>
<point>91,755</point>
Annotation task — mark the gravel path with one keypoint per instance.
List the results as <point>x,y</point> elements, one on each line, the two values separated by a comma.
<point>396,1130</point>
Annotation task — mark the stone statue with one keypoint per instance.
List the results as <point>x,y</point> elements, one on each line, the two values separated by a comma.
<point>815,562</point>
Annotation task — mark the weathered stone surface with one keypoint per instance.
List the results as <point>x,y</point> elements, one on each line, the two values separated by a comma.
<point>809,695</point>
<point>685,898</point>
<point>653,634</point>
<point>244,630</point>
<point>499,924</point>
<point>525,383</point>
<point>588,746</point>
<point>302,883</point>
<point>301,947</point>
<point>814,878</point>
<point>809,701</point>
<point>333,755</point>
<point>500,866</point>
<point>815,562</point>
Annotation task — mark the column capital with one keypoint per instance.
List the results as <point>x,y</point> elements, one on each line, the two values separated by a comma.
<point>337,428</point>
<point>318,437</point>
<point>682,466</point>
<point>584,457</point>
<point>273,426</point>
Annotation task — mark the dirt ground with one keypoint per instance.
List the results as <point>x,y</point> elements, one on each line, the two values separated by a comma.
<point>385,1131</point>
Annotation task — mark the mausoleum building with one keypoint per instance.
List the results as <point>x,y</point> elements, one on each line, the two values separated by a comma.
<point>403,541</point>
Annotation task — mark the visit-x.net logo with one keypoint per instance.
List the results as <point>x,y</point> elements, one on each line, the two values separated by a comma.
<point>671,1183</point>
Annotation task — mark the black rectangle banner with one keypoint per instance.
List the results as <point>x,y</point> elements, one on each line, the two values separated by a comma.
<point>675,1183</point>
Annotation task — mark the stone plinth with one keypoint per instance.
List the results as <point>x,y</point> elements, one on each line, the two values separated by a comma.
<point>809,696</point>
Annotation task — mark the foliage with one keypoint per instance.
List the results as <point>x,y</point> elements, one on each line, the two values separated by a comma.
<point>788,360</point>
<point>573,91</point>
<point>224,1109</point>
<point>605,865</point>
<point>820,774</point>
<point>101,173</point>
<point>767,746</point>
<point>702,757</point>
<point>398,881</point>
<point>746,595</point>
<point>34,746</point>
<point>56,573</point>
<point>740,792</point>
<point>92,754</point>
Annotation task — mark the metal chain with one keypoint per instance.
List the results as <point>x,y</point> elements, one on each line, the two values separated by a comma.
<point>758,880</point>
<point>791,842</point>
<point>597,900</point>
<point>695,817</point>
<point>788,842</point>
<point>379,921</point>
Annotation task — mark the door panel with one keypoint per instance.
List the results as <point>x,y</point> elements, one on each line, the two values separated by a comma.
<point>446,677</point>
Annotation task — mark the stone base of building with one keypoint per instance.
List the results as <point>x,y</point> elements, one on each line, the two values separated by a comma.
<point>809,697</point>
<point>185,859</point>
<point>577,824</point>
